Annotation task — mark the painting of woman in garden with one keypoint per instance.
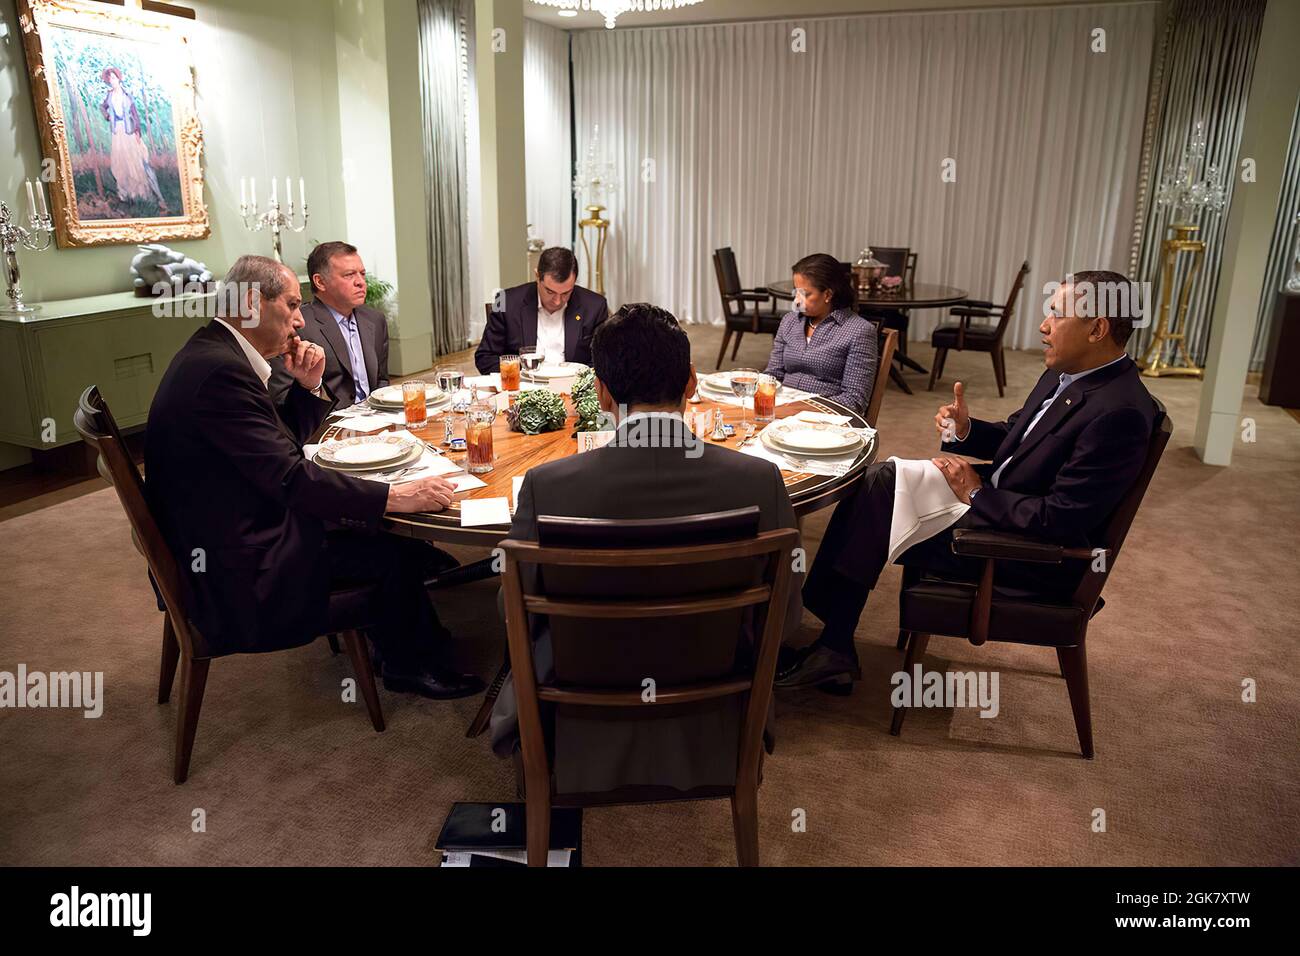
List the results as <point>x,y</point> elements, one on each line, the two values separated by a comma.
<point>129,160</point>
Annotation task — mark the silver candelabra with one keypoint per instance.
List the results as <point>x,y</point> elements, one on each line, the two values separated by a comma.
<point>274,218</point>
<point>36,238</point>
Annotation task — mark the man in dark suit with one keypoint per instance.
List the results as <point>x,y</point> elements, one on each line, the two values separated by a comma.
<point>353,336</point>
<point>554,314</point>
<point>249,518</point>
<point>643,377</point>
<point>1055,471</point>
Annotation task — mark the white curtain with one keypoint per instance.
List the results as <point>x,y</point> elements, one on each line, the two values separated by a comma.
<point>547,133</point>
<point>726,136</point>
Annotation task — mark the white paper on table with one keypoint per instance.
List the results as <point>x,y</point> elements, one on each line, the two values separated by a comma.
<point>466,483</point>
<point>493,381</point>
<point>785,396</point>
<point>516,483</point>
<point>818,418</point>
<point>924,504</point>
<point>371,421</point>
<point>480,511</point>
<point>589,441</point>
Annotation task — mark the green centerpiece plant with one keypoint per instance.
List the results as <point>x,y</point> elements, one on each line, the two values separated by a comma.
<point>585,402</point>
<point>537,410</point>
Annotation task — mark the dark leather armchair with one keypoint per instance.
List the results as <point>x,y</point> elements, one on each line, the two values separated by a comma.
<point>669,597</point>
<point>743,310</point>
<point>983,612</point>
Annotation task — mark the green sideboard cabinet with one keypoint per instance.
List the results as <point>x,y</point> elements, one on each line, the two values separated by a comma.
<point>115,341</point>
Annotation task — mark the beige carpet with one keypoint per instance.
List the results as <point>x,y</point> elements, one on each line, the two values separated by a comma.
<point>1204,596</point>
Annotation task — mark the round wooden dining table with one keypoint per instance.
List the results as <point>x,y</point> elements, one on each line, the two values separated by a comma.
<point>515,453</point>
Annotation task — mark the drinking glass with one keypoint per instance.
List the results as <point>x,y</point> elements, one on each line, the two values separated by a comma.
<point>744,383</point>
<point>510,373</point>
<point>413,402</point>
<point>450,380</point>
<point>478,437</point>
<point>765,398</point>
<point>531,358</point>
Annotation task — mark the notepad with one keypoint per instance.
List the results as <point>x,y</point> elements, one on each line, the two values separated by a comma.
<point>516,483</point>
<point>466,482</point>
<point>484,511</point>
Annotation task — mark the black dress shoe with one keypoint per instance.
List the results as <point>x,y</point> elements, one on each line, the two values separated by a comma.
<point>434,683</point>
<point>821,665</point>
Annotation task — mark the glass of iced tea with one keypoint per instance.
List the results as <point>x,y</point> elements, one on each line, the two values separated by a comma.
<point>413,400</point>
<point>510,373</point>
<point>478,437</point>
<point>765,398</point>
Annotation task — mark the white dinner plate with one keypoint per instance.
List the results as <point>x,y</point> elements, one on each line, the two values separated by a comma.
<point>556,370</point>
<point>431,401</point>
<point>409,457</point>
<point>367,450</point>
<point>810,439</point>
<point>392,394</point>
<point>721,381</point>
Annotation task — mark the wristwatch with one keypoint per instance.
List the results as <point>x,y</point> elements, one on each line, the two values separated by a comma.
<point>973,491</point>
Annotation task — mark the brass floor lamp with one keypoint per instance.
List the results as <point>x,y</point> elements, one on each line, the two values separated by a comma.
<point>1187,196</point>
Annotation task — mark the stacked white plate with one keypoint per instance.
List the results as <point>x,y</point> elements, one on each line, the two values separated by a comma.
<point>369,453</point>
<point>807,438</point>
<point>553,370</point>
<point>718,384</point>
<point>389,398</point>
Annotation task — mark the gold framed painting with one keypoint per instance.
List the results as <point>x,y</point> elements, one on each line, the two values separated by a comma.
<point>114,94</point>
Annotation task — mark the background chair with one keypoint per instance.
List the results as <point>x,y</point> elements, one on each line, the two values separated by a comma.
<point>930,605</point>
<point>762,318</point>
<point>182,644</point>
<point>888,339</point>
<point>899,261</point>
<point>626,599</point>
<point>978,338</point>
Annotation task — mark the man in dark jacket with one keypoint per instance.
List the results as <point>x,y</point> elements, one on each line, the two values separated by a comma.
<point>1055,471</point>
<point>247,516</point>
<point>554,314</point>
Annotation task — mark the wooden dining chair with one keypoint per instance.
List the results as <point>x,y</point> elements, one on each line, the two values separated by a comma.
<point>624,600</point>
<point>183,645</point>
<point>987,337</point>
<point>888,339</point>
<point>763,316</point>
<point>928,604</point>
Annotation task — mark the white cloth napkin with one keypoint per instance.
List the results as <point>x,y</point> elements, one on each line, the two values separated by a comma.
<point>924,505</point>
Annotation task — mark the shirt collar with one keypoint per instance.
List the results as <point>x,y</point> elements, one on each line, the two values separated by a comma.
<point>342,320</point>
<point>635,415</point>
<point>836,315</point>
<point>261,367</point>
<point>1067,379</point>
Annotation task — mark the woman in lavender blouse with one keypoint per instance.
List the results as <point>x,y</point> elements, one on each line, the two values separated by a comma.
<point>823,345</point>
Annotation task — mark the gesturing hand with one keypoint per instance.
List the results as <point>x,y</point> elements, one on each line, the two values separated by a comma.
<point>305,361</point>
<point>422,494</point>
<point>953,420</point>
<point>961,475</point>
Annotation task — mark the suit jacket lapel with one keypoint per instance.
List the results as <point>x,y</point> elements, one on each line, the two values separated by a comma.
<point>572,327</point>
<point>366,328</point>
<point>1045,387</point>
<point>329,331</point>
<point>230,343</point>
<point>528,318</point>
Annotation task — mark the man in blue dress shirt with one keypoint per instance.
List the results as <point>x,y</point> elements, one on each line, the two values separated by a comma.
<point>354,336</point>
